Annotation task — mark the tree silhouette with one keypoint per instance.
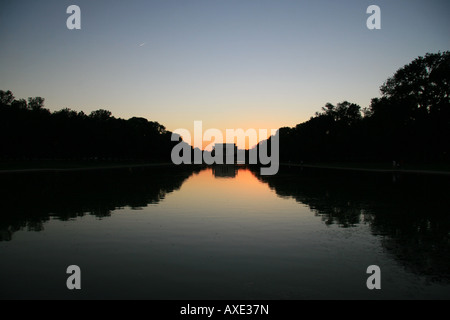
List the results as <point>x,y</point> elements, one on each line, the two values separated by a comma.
<point>36,103</point>
<point>28,131</point>
<point>6,97</point>
<point>424,83</point>
<point>414,110</point>
<point>100,115</point>
<point>410,122</point>
<point>19,104</point>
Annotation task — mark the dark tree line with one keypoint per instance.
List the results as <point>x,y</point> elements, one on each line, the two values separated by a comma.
<point>410,122</point>
<point>28,131</point>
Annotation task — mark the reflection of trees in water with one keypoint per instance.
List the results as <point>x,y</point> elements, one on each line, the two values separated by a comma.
<point>29,200</point>
<point>410,213</point>
<point>329,198</point>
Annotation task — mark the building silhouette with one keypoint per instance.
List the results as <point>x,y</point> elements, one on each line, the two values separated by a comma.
<point>228,151</point>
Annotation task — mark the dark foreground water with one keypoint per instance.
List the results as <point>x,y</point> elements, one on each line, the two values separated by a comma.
<point>224,233</point>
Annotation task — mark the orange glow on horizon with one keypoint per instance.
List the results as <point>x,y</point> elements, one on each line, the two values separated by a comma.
<point>207,144</point>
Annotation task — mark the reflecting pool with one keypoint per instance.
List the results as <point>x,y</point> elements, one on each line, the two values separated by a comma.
<point>224,233</point>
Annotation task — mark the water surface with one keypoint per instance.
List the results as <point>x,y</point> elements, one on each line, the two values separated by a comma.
<point>224,233</point>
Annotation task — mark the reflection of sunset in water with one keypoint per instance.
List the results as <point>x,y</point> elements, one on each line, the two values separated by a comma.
<point>222,232</point>
<point>244,185</point>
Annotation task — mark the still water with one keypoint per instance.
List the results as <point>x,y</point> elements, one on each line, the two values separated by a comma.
<point>224,233</point>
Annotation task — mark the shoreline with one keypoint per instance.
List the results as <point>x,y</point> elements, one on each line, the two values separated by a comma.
<point>399,170</point>
<point>83,167</point>
<point>86,168</point>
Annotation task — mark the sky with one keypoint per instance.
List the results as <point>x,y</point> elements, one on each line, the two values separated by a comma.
<point>228,63</point>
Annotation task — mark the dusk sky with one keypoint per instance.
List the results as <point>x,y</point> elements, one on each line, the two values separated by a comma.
<point>232,64</point>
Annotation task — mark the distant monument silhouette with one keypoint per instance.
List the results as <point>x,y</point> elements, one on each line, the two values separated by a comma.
<point>229,152</point>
